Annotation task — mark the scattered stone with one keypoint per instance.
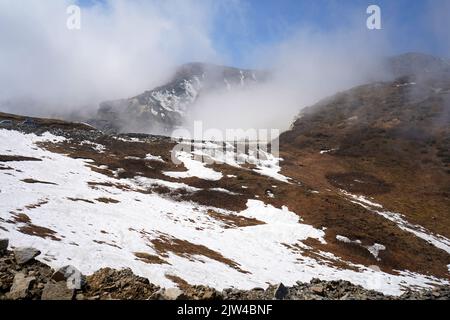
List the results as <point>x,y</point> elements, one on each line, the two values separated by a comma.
<point>281,292</point>
<point>436,294</point>
<point>80,296</point>
<point>71,275</point>
<point>23,255</point>
<point>173,294</point>
<point>20,287</point>
<point>35,280</point>
<point>57,291</point>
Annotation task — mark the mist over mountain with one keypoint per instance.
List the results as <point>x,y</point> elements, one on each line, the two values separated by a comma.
<point>166,107</point>
<point>199,92</point>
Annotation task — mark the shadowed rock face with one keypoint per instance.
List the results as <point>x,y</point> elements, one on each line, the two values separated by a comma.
<point>163,109</point>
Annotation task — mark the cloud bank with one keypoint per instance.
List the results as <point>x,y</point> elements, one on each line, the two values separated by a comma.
<point>122,49</point>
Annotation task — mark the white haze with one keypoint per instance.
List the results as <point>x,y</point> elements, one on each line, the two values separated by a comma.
<point>306,68</point>
<point>127,47</point>
<point>122,49</point>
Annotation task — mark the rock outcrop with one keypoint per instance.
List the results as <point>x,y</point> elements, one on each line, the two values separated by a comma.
<point>34,280</point>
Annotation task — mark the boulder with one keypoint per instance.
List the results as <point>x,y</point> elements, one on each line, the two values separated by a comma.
<point>57,291</point>
<point>72,276</point>
<point>281,292</point>
<point>25,254</point>
<point>317,289</point>
<point>173,294</point>
<point>375,268</point>
<point>20,287</point>
<point>4,245</point>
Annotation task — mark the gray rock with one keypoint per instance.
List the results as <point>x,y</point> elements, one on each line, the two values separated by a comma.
<point>375,268</point>
<point>4,244</point>
<point>281,292</point>
<point>23,255</point>
<point>20,287</point>
<point>80,296</point>
<point>72,276</point>
<point>173,294</point>
<point>57,291</point>
<point>258,289</point>
<point>317,289</point>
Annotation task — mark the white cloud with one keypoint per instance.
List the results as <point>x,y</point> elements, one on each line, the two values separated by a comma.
<point>123,48</point>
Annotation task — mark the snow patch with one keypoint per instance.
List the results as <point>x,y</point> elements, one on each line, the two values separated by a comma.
<point>375,249</point>
<point>94,234</point>
<point>194,169</point>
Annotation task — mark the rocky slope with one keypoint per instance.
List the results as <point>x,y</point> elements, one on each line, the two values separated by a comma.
<point>24,278</point>
<point>93,200</point>
<point>163,109</point>
<point>361,194</point>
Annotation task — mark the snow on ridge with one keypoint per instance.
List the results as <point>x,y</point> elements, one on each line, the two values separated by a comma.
<point>266,163</point>
<point>436,240</point>
<point>95,234</point>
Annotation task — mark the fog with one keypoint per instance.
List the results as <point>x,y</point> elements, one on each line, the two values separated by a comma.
<point>127,47</point>
<point>304,69</point>
<point>122,49</point>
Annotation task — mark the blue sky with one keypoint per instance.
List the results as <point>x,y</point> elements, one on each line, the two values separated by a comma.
<point>239,25</point>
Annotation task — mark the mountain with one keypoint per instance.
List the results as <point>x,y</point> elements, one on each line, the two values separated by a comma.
<point>387,145</point>
<point>163,108</point>
<point>360,193</point>
<point>78,195</point>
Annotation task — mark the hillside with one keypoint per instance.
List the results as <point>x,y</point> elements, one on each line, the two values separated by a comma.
<point>93,200</point>
<point>360,194</point>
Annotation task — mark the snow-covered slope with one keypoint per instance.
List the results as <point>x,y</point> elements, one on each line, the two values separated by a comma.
<point>75,213</point>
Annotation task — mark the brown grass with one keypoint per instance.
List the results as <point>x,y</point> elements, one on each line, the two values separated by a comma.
<point>106,243</point>
<point>79,199</point>
<point>150,258</point>
<point>234,221</point>
<point>36,205</point>
<point>38,231</point>
<point>8,158</point>
<point>165,244</point>
<point>180,282</point>
<point>32,181</point>
<point>107,200</point>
